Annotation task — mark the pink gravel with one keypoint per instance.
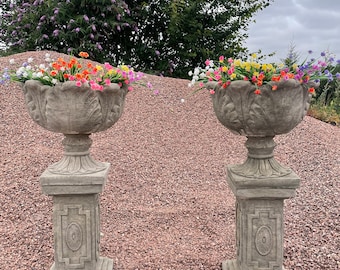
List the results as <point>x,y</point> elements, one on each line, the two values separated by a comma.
<point>166,204</point>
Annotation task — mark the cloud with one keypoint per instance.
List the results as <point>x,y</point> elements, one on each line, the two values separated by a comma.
<point>306,24</point>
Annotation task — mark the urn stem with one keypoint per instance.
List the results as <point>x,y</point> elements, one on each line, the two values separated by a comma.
<point>76,159</point>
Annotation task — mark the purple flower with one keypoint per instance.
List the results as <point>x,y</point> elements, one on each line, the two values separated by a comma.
<point>118,27</point>
<point>157,53</point>
<point>91,36</point>
<point>42,18</point>
<point>323,54</point>
<point>337,75</point>
<point>86,18</point>
<point>99,46</point>
<point>56,11</point>
<point>94,27</point>
<point>55,32</point>
<point>310,51</point>
<point>77,29</point>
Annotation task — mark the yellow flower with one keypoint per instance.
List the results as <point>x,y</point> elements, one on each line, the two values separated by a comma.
<point>99,68</point>
<point>256,73</point>
<point>125,68</point>
<point>224,69</point>
<point>237,62</point>
<point>254,55</point>
<point>112,72</point>
<point>233,76</point>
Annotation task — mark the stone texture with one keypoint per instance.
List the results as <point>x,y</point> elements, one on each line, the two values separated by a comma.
<point>271,113</point>
<point>76,219</point>
<point>69,109</point>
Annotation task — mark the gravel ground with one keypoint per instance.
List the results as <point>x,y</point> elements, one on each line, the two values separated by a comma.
<point>166,204</point>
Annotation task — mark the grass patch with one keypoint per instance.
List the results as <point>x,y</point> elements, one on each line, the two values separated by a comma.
<point>326,114</point>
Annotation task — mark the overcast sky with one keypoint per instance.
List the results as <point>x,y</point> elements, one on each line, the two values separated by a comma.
<point>308,24</point>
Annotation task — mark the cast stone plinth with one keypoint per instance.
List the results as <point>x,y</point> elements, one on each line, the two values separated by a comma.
<point>76,219</point>
<point>259,220</point>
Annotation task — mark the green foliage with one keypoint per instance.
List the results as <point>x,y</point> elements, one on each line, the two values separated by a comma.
<point>160,36</point>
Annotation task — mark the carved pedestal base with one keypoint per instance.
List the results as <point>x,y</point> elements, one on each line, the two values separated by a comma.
<point>232,265</point>
<point>259,220</point>
<point>76,219</point>
<point>102,264</point>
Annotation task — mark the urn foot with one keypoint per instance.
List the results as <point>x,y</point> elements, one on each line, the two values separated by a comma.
<point>76,159</point>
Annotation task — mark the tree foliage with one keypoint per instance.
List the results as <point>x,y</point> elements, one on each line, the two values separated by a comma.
<point>161,36</point>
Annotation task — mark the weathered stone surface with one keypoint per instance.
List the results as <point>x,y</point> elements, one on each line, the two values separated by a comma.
<point>61,184</point>
<point>271,113</point>
<point>69,109</point>
<point>259,220</point>
<point>261,183</point>
<point>76,219</point>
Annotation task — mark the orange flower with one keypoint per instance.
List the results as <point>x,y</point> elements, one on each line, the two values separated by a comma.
<point>257,92</point>
<point>84,54</point>
<point>274,87</point>
<point>79,76</point>
<point>290,75</point>
<point>56,66</point>
<point>311,90</point>
<point>276,78</point>
<point>53,73</point>
<point>66,76</point>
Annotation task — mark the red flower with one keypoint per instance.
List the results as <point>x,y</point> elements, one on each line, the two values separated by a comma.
<point>257,92</point>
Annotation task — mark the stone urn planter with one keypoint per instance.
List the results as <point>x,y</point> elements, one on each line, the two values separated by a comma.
<point>76,112</point>
<point>77,179</point>
<point>261,183</point>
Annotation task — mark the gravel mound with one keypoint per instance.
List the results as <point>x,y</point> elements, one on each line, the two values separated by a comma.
<point>166,204</point>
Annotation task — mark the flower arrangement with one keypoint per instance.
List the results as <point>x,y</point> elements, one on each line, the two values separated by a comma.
<point>227,70</point>
<point>59,71</point>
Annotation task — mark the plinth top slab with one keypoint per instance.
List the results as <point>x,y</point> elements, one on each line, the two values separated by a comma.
<point>60,184</point>
<point>280,187</point>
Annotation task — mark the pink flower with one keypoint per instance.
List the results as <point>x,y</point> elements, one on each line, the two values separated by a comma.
<point>108,66</point>
<point>221,59</point>
<point>78,83</point>
<point>107,81</point>
<point>212,91</point>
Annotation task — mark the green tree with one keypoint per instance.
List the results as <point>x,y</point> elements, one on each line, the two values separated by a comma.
<point>160,36</point>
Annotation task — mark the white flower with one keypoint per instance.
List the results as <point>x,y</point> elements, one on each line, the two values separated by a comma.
<point>46,78</point>
<point>12,61</point>
<point>30,60</point>
<point>195,78</point>
<point>42,66</point>
<point>197,71</point>
<point>37,74</point>
<point>190,73</point>
<point>202,75</point>
<point>182,100</point>
<point>54,81</point>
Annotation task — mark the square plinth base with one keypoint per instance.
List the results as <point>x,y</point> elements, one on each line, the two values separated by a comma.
<point>232,265</point>
<point>102,264</point>
<point>60,184</point>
